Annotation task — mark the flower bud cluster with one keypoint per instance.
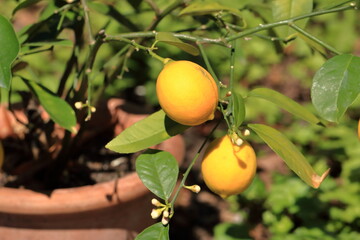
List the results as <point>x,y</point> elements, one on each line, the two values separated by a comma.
<point>160,210</point>
<point>81,105</point>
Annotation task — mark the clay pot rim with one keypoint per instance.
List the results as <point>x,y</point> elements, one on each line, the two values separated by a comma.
<point>90,197</point>
<point>85,198</point>
<point>69,200</point>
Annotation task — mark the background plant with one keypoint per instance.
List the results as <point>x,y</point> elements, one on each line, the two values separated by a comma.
<point>108,55</point>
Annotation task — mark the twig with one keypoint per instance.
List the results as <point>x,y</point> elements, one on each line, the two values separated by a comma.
<point>186,174</point>
<point>226,41</point>
<point>302,31</point>
<point>87,21</point>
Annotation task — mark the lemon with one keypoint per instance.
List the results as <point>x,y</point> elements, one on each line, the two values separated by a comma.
<point>187,93</point>
<point>228,169</point>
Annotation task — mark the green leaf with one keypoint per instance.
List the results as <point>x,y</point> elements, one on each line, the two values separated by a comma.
<point>24,4</point>
<point>111,11</point>
<point>316,46</point>
<point>158,170</point>
<point>285,9</point>
<point>156,231</point>
<point>169,38</point>
<point>238,108</point>
<point>280,144</point>
<point>54,42</point>
<point>57,108</point>
<point>335,86</point>
<point>146,133</point>
<point>203,8</point>
<point>9,51</point>
<point>286,103</point>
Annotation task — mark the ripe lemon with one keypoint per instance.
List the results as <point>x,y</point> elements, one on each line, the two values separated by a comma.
<point>228,169</point>
<point>187,93</point>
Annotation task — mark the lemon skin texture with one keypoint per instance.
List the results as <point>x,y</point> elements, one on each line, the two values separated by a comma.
<point>228,169</point>
<point>187,93</point>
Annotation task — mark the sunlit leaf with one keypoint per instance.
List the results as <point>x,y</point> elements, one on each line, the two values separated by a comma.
<point>294,159</point>
<point>238,108</point>
<point>207,7</point>
<point>158,170</point>
<point>57,108</point>
<point>156,231</point>
<point>169,38</point>
<point>9,51</point>
<point>335,86</point>
<point>146,133</point>
<point>285,103</point>
<point>285,9</point>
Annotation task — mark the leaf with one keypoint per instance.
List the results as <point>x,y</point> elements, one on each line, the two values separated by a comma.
<point>286,103</point>
<point>335,86</point>
<point>24,4</point>
<point>169,38</point>
<point>146,133</point>
<point>156,231</point>
<point>285,9</point>
<point>316,46</point>
<point>203,8</point>
<point>158,170</point>
<point>238,108</point>
<point>9,51</point>
<point>280,144</point>
<point>1,155</point>
<point>57,108</point>
<point>109,10</point>
<point>54,42</point>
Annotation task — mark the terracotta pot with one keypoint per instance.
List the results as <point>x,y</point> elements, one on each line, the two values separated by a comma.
<point>111,210</point>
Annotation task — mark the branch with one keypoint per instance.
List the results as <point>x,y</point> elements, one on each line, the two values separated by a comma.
<point>226,41</point>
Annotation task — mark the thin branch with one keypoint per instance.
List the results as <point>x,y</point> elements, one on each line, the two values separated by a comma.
<point>87,21</point>
<point>164,13</point>
<point>186,174</point>
<point>302,31</point>
<point>119,37</point>
<point>208,65</point>
<point>154,7</point>
<point>263,27</point>
<point>226,41</point>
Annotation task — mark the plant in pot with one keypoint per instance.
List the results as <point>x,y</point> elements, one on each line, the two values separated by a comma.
<point>58,180</point>
<point>106,47</point>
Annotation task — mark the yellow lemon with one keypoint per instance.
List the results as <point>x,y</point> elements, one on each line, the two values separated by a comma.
<point>187,92</point>
<point>228,169</point>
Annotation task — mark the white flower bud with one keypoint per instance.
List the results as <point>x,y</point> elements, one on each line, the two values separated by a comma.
<point>165,220</point>
<point>156,202</point>
<point>156,213</point>
<point>246,132</point>
<point>78,105</point>
<point>194,188</point>
<point>239,142</point>
<point>166,213</point>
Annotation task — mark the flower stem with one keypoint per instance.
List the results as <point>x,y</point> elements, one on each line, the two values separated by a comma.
<point>186,174</point>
